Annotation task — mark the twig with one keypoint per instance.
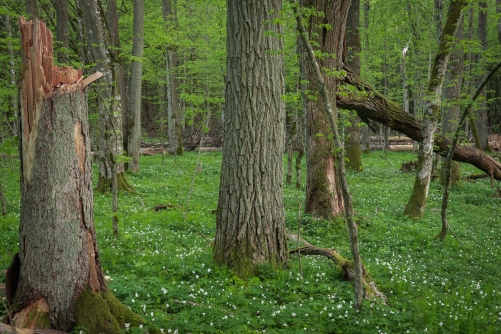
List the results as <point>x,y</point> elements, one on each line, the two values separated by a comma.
<point>299,233</point>
<point>13,329</point>
<point>455,236</point>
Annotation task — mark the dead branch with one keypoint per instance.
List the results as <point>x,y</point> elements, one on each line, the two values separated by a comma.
<point>346,265</point>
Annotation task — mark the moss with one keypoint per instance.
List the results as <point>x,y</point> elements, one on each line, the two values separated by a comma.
<point>121,312</point>
<point>104,185</point>
<point>93,313</point>
<point>42,320</point>
<point>105,314</point>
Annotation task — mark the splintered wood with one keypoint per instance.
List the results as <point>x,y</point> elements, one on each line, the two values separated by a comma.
<point>40,79</point>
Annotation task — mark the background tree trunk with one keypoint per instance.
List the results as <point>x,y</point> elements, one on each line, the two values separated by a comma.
<point>134,121</point>
<point>118,67</point>
<point>250,225</point>
<point>62,31</point>
<point>323,194</point>
<point>417,202</point>
<point>452,93</point>
<point>32,8</point>
<point>482,113</point>
<point>56,279</point>
<point>110,111</point>
<point>353,149</point>
<point>173,112</point>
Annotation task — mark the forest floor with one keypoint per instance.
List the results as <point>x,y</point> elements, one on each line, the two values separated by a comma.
<point>162,268</point>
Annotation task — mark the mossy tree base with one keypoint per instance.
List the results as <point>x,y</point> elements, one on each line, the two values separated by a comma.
<point>104,185</point>
<point>103,313</point>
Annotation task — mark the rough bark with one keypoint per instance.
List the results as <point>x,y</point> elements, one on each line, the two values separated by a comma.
<point>110,143</point>
<point>173,112</point>
<point>372,106</point>
<point>62,31</point>
<point>353,48</point>
<point>250,223</point>
<point>56,280</point>
<point>134,121</point>
<point>323,194</point>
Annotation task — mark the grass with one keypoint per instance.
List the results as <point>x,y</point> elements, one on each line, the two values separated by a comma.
<point>162,268</point>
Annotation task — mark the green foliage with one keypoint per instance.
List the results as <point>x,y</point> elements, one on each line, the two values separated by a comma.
<point>162,267</point>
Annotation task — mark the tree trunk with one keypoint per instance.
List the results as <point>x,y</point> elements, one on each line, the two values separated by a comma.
<point>62,31</point>
<point>32,8</point>
<point>330,110</point>
<point>323,194</point>
<point>118,69</point>
<point>250,224</point>
<point>482,118</point>
<point>353,48</point>
<point>134,121</point>
<point>56,280</point>
<point>110,112</point>
<point>173,113</point>
<point>417,202</point>
<point>452,93</point>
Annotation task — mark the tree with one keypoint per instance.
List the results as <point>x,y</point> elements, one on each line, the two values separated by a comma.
<point>417,202</point>
<point>482,114</point>
<point>323,194</point>
<point>62,31</point>
<point>330,109</point>
<point>173,112</point>
<point>56,280</point>
<point>110,113</point>
<point>373,106</point>
<point>134,121</point>
<point>353,47</point>
<point>452,93</point>
<point>250,223</point>
<point>32,8</point>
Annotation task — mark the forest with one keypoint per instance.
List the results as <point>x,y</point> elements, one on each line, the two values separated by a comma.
<point>209,166</point>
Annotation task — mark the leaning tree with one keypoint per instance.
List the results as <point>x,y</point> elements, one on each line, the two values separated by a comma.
<point>56,280</point>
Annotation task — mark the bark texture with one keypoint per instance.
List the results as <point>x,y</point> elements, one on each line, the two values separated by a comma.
<point>250,225</point>
<point>134,121</point>
<point>58,265</point>
<point>323,194</point>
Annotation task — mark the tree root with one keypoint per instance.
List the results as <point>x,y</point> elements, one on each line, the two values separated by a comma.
<point>370,288</point>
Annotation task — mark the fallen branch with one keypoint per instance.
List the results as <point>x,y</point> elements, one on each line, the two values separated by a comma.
<point>373,106</point>
<point>346,265</point>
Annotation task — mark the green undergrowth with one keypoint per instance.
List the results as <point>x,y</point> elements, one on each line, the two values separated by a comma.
<point>162,268</point>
